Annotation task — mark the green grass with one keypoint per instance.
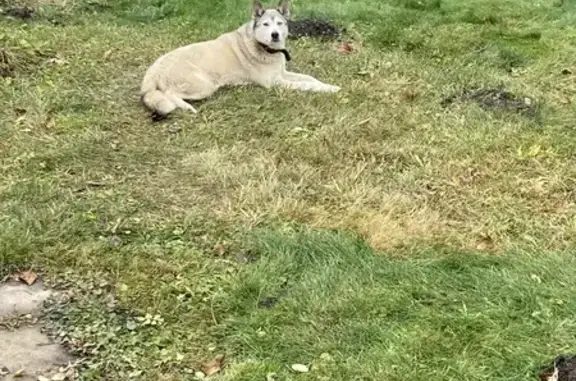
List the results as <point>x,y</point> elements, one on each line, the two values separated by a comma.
<point>452,317</point>
<point>451,215</point>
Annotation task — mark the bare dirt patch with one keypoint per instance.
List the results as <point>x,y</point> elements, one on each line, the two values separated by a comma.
<point>495,99</point>
<point>25,351</point>
<point>20,12</point>
<point>18,298</point>
<point>313,28</point>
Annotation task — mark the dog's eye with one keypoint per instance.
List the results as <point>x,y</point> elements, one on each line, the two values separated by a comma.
<point>266,24</point>
<point>280,23</point>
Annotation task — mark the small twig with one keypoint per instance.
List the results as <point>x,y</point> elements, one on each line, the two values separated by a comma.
<point>95,184</point>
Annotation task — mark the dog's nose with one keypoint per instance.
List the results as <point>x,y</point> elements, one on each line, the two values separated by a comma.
<point>275,36</point>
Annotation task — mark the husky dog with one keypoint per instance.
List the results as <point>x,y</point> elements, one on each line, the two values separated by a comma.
<point>254,53</point>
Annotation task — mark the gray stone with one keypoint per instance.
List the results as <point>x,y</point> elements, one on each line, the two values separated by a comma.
<point>26,350</point>
<point>19,298</point>
<point>29,350</point>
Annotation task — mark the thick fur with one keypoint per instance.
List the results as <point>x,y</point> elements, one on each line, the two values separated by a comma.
<point>250,54</point>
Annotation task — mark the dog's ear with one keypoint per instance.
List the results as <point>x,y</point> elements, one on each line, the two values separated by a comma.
<point>284,8</point>
<point>257,9</point>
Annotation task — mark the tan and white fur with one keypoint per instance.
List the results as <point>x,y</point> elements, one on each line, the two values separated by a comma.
<point>254,53</point>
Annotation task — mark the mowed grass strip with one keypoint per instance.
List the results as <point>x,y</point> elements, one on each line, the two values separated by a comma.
<point>355,315</point>
<point>91,186</point>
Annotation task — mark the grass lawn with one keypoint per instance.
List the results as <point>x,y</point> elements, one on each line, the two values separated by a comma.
<point>372,234</point>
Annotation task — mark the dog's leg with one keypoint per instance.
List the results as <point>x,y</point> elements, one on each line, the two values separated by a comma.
<point>303,78</point>
<point>196,87</point>
<point>179,102</point>
<point>307,86</point>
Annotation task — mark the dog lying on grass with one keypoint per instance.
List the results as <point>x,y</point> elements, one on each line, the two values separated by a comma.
<point>254,53</point>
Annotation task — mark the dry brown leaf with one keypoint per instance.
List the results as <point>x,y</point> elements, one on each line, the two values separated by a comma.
<point>345,48</point>
<point>57,61</point>
<point>214,366</point>
<point>220,249</point>
<point>485,243</point>
<point>409,95</point>
<point>28,277</point>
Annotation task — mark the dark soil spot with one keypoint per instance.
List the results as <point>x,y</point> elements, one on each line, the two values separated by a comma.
<point>495,99</point>
<point>563,369</point>
<point>312,28</point>
<point>268,302</point>
<point>20,12</point>
<point>14,62</point>
<point>7,63</point>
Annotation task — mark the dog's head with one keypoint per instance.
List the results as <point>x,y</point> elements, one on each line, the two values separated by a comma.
<point>270,25</point>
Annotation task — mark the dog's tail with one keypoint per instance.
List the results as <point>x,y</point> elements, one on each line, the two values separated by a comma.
<point>154,99</point>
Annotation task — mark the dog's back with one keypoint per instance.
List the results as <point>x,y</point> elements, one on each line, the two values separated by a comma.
<point>198,69</point>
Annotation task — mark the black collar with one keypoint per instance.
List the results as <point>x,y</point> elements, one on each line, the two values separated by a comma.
<point>274,51</point>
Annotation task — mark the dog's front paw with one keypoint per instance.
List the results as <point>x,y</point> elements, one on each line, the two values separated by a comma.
<point>332,89</point>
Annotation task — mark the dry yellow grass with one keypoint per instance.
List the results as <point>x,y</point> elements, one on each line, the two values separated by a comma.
<point>382,158</point>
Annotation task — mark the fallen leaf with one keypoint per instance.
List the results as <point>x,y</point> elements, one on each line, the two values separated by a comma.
<point>485,243</point>
<point>219,249</point>
<point>366,73</point>
<point>134,374</point>
<point>345,48</point>
<point>29,277</point>
<point>131,325</point>
<point>300,368</point>
<point>214,366</point>
<point>59,377</point>
<point>57,61</point>
<point>409,95</point>
<point>536,278</point>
